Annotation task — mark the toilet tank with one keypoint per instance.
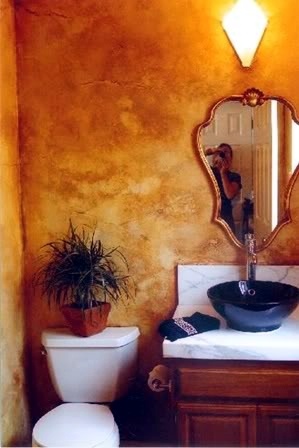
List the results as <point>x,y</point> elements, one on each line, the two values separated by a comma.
<point>94,369</point>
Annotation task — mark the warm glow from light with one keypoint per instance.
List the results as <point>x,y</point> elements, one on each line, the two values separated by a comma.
<point>295,145</point>
<point>274,164</point>
<point>245,25</point>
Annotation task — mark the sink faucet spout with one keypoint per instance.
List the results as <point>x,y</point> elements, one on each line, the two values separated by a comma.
<point>250,243</point>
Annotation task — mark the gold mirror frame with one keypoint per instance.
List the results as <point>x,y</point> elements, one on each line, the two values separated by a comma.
<point>251,97</point>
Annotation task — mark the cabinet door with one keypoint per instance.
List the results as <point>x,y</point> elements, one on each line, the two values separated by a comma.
<point>278,425</point>
<point>215,425</point>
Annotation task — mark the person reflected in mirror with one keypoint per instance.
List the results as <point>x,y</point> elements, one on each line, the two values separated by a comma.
<point>229,182</point>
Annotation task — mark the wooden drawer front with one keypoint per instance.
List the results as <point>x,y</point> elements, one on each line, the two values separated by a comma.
<point>236,383</point>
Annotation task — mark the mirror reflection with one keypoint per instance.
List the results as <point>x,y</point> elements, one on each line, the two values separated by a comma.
<point>251,153</point>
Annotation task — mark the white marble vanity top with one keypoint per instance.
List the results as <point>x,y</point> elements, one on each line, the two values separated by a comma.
<point>278,345</point>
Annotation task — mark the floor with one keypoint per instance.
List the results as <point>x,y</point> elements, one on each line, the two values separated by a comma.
<point>144,444</point>
<point>144,422</point>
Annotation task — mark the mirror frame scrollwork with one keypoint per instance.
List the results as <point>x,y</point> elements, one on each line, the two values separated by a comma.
<point>251,97</point>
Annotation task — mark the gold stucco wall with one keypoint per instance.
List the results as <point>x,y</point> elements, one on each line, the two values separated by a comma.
<point>14,426</point>
<point>110,93</point>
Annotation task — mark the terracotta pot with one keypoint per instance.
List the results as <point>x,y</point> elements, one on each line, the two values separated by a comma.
<point>86,322</point>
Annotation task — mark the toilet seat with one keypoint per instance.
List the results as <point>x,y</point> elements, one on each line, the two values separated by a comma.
<point>76,425</point>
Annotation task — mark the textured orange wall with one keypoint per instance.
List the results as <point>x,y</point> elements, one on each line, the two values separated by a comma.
<point>14,425</point>
<point>110,93</point>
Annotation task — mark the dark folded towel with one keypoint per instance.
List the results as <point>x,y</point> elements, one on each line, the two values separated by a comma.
<point>181,327</point>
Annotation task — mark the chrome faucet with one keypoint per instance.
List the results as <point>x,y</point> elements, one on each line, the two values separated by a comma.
<point>250,243</point>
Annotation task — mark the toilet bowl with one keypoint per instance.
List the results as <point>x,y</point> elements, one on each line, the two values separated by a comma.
<point>76,425</point>
<point>85,372</point>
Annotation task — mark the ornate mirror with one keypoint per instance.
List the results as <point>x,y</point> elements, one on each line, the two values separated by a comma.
<point>250,147</point>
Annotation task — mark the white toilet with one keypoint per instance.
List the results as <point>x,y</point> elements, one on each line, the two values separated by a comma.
<point>85,371</point>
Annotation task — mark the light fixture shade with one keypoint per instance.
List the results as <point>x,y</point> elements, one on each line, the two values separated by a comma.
<point>245,25</point>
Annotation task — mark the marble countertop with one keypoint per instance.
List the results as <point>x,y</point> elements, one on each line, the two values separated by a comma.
<point>277,345</point>
<point>194,280</point>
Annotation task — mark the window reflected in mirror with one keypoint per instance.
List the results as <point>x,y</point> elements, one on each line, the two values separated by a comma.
<point>252,154</point>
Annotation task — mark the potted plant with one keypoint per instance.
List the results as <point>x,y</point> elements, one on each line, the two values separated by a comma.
<point>83,279</point>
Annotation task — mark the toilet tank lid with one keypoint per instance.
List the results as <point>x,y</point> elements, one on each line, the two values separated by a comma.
<point>110,337</point>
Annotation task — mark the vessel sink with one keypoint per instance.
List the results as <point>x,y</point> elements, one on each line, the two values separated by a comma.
<point>254,305</point>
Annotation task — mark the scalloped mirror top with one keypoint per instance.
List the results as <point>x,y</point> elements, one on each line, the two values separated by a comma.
<point>250,148</point>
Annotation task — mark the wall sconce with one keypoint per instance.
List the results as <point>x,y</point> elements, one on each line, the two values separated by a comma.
<point>244,25</point>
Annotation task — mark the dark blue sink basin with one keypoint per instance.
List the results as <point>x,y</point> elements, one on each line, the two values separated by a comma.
<point>254,305</point>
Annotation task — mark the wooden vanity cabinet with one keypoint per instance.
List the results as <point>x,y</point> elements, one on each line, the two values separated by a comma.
<point>235,403</point>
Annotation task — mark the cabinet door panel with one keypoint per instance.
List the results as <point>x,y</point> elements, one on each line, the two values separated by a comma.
<point>214,425</point>
<point>278,425</point>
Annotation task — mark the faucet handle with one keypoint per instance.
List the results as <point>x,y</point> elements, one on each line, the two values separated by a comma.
<point>250,243</point>
<point>249,237</point>
<point>250,240</point>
